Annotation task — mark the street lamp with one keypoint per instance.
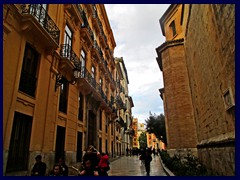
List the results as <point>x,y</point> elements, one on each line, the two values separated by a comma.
<point>59,79</point>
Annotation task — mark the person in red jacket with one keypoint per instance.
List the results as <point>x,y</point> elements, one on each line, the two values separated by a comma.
<point>103,165</point>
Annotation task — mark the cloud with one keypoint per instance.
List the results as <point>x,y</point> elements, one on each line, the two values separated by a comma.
<point>137,33</point>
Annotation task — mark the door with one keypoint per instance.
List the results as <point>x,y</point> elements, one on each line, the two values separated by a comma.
<point>60,143</point>
<point>79,147</point>
<point>19,143</point>
<point>92,129</point>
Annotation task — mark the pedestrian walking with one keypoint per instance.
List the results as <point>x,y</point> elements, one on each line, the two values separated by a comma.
<point>39,168</point>
<point>64,167</point>
<point>154,152</point>
<point>127,150</point>
<point>147,159</point>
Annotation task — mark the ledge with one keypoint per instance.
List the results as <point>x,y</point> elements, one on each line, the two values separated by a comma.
<point>218,141</point>
<point>167,171</point>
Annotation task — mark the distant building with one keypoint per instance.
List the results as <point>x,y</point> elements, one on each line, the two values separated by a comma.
<point>135,132</point>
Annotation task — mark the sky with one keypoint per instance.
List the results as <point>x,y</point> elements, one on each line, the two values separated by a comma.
<point>137,34</point>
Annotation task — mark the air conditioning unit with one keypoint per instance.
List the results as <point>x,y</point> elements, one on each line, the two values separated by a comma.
<point>228,99</point>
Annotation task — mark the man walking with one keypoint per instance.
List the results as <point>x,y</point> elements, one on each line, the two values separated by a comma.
<point>148,159</point>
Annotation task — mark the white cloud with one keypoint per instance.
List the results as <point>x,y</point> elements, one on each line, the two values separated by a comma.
<point>137,33</point>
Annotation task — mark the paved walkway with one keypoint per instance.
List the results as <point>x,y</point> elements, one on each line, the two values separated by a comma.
<point>131,166</point>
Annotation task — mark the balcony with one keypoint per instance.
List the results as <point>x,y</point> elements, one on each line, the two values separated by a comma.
<point>102,37</point>
<point>103,65</point>
<point>38,23</point>
<point>96,52</point>
<point>120,121</point>
<point>114,112</point>
<point>69,60</point>
<point>86,32</point>
<point>76,11</point>
<point>87,84</point>
<point>95,20</point>
<point>120,104</point>
<point>89,8</point>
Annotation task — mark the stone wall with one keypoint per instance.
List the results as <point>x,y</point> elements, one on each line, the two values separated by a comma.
<point>210,57</point>
<point>181,131</point>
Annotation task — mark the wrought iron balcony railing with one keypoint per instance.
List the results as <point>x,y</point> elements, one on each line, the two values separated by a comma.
<point>43,18</point>
<point>87,76</point>
<point>67,52</point>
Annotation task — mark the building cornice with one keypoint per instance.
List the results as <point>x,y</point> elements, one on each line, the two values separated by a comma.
<point>165,46</point>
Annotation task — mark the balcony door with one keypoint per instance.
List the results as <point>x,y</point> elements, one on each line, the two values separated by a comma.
<point>67,42</point>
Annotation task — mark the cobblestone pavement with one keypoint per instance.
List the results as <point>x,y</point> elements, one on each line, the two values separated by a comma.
<point>131,166</point>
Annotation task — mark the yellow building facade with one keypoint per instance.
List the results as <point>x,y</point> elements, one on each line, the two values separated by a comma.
<point>59,84</point>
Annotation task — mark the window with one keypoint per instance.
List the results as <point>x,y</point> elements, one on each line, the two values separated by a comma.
<point>100,144</point>
<point>106,126</point>
<point>106,146</point>
<point>93,72</point>
<point>80,107</point>
<point>67,42</point>
<point>83,60</point>
<point>63,96</point>
<point>112,129</point>
<point>100,121</point>
<point>100,82</point>
<point>173,27</point>
<point>29,68</point>
<point>228,99</point>
<point>106,90</point>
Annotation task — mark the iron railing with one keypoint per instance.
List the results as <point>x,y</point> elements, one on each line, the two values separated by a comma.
<point>67,52</point>
<point>43,18</point>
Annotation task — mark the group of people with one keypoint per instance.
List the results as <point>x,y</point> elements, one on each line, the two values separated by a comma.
<point>94,164</point>
<point>39,168</point>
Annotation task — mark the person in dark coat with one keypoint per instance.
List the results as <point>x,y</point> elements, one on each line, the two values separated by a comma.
<point>89,169</point>
<point>64,167</point>
<point>56,171</point>
<point>147,159</point>
<point>39,168</point>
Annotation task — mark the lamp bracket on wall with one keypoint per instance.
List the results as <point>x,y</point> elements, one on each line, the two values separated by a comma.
<point>59,81</point>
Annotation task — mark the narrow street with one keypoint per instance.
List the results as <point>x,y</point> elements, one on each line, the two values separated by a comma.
<point>131,166</point>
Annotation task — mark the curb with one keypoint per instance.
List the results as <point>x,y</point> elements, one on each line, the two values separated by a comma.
<point>167,171</point>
